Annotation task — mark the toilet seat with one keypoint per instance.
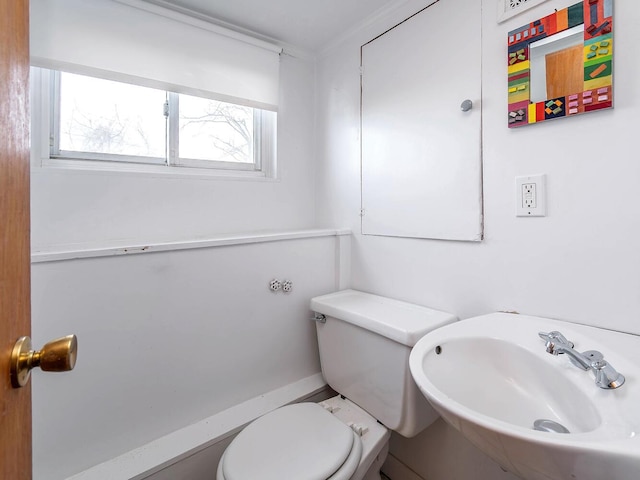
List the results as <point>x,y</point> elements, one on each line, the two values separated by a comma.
<point>301,441</point>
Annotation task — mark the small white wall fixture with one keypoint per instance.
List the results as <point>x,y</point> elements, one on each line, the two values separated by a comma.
<point>511,8</point>
<point>421,158</point>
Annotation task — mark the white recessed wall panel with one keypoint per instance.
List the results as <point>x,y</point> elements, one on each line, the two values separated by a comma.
<point>421,159</point>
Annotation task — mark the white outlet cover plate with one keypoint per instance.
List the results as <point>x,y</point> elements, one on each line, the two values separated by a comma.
<point>540,207</point>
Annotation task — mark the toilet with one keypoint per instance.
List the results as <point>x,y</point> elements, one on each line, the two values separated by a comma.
<point>364,342</point>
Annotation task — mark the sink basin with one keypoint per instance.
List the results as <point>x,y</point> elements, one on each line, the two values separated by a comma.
<point>491,378</point>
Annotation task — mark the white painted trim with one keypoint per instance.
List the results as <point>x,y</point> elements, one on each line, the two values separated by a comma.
<point>189,17</point>
<point>72,252</point>
<point>375,17</point>
<point>158,454</point>
<point>97,167</point>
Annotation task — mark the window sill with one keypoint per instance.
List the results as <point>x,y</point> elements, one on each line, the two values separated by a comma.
<point>147,170</point>
<point>78,252</point>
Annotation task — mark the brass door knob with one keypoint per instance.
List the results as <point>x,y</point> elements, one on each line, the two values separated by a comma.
<point>56,356</point>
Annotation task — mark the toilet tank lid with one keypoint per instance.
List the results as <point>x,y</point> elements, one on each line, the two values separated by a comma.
<point>400,321</point>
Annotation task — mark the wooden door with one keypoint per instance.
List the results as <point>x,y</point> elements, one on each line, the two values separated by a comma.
<point>15,262</point>
<point>565,71</point>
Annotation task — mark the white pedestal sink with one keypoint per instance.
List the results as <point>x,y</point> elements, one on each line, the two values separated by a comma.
<point>491,378</point>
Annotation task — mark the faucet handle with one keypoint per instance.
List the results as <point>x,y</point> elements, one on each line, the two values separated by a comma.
<point>553,338</point>
<point>555,335</point>
<point>606,376</point>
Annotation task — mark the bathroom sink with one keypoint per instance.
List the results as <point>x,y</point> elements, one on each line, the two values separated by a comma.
<point>538,415</point>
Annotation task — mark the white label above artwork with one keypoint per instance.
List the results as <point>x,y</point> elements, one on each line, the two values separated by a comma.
<point>511,8</point>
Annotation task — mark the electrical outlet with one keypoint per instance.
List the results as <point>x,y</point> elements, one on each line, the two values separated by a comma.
<point>531,196</point>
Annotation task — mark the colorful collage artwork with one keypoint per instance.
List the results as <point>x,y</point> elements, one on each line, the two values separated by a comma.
<point>597,90</point>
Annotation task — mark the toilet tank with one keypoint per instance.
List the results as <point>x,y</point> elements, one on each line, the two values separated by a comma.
<point>364,353</point>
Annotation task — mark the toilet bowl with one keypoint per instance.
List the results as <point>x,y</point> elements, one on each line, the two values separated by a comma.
<point>334,440</point>
<point>364,343</point>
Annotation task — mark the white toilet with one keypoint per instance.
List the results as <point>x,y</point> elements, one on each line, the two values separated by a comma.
<point>364,343</point>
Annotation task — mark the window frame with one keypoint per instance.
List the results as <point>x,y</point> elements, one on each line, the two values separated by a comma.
<point>46,89</point>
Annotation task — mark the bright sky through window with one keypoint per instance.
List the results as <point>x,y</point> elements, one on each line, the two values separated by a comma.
<point>101,116</point>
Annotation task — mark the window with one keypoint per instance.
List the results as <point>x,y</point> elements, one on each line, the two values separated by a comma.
<point>111,123</point>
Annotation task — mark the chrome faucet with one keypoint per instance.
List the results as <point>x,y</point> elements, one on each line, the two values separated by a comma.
<point>606,376</point>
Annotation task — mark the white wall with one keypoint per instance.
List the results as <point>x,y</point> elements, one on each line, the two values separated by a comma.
<point>579,263</point>
<point>168,339</point>
<point>79,208</point>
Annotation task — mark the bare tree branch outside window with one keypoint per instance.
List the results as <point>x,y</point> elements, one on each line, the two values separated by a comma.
<point>221,130</point>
